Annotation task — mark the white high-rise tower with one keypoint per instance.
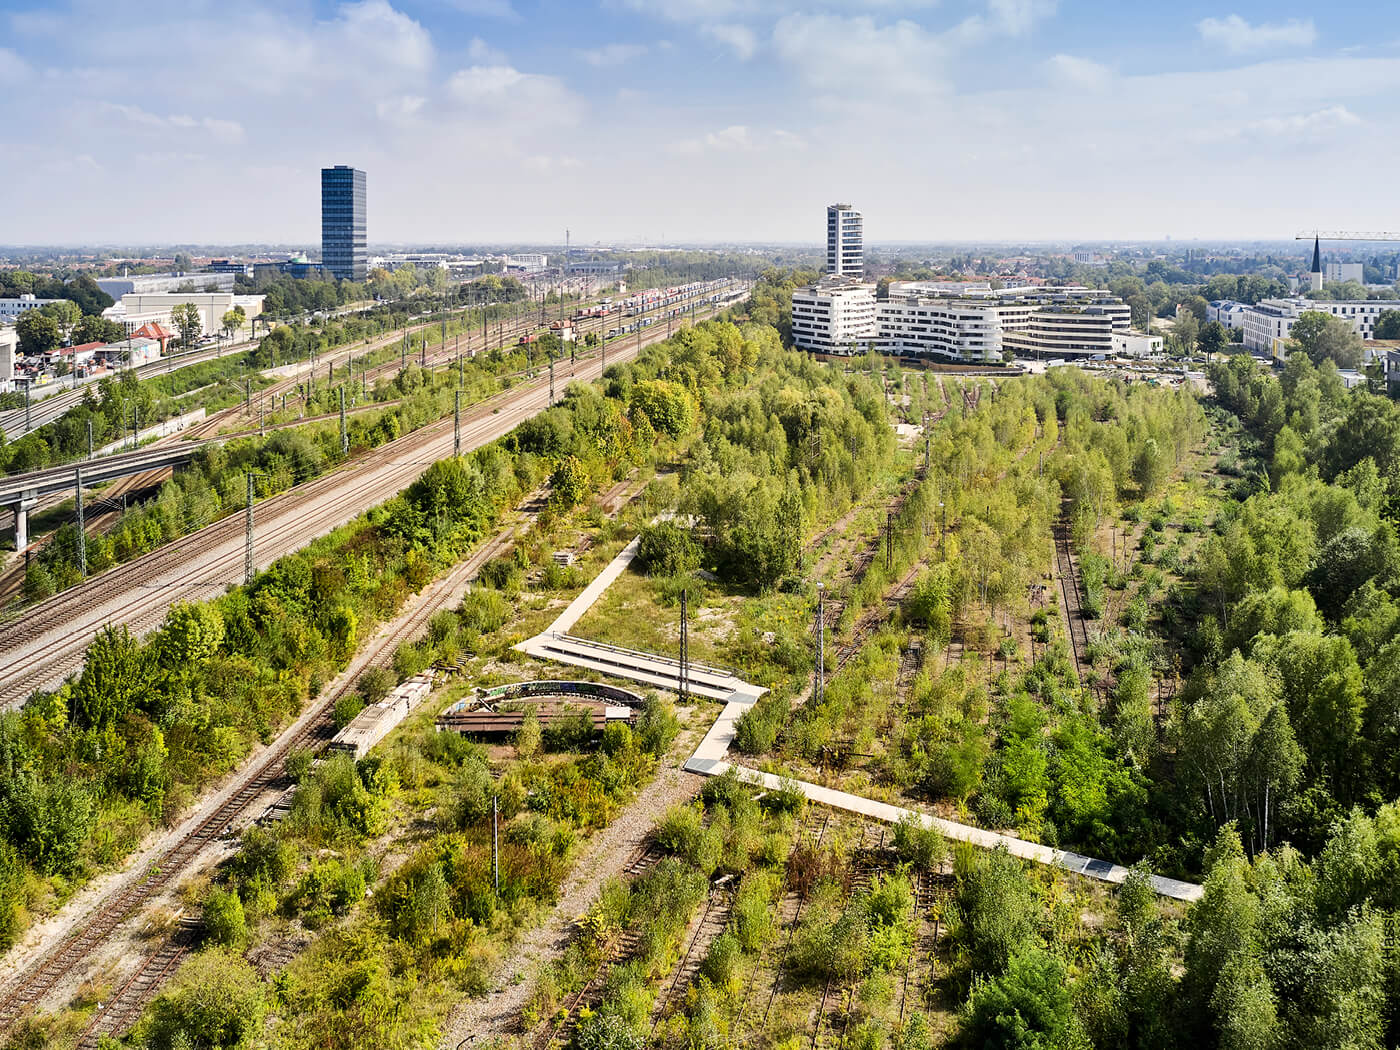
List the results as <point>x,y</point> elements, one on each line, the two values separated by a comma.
<point>845,242</point>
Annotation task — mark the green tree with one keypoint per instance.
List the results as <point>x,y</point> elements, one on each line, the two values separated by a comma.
<point>97,329</point>
<point>65,313</point>
<point>1387,325</point>
<point>187,321</point>
<point>1212,338</point>
<point>1324,337</point>
<point>570,483</point>
<point>38,333</point>
<point>1026,1008</point>
<point>113,678</point>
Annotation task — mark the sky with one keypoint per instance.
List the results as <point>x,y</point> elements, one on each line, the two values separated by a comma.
<point>492,121</point>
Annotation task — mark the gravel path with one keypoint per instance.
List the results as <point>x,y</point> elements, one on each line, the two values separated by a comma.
<point>604,857</point>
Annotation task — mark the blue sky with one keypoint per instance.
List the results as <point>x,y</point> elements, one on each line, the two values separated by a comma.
<point>509,120</point>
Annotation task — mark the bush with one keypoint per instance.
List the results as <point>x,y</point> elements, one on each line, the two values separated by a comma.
<point>216,999</point>
<point>657,725</point>
<point>571,731</point>
<point>721,965</point>
<point>346,708</point>
<point>224,922</point>
<point>916,844</point>
<point>666,549</point>
<point>1027,1006</point>
<point>757,729</point>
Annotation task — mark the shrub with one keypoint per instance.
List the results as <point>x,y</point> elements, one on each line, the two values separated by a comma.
<point>666,549</point>
<point>721,965</point>
<point>224,922</point>
<point>657,725</point>
<point>346,708</point>
<point>1028,1005</point>
<point>917,844</point>
<point>571,731</point>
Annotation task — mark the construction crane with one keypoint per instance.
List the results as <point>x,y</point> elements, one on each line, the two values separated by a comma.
<point>1342,235</point>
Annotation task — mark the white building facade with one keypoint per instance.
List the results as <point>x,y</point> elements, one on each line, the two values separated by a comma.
<point>10,309</point>
<point>1268,323</point>
<point>156,283</point>
<point>135,310</point>
<point>845,241</point>
<point>1336,272</point>
<point>834,317</point>
<point>9,350</point>
<point>1227,312</point>
<point>972,327</point>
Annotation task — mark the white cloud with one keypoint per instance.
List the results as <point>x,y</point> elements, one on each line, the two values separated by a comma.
<point>1016,17</point>
<point>483,54</point>
<point>1238,37</point>
<point>612,54</point>
<point>228,132</point>
<point>1071,71</point>
<point>504,90</point>
<point>1318,122</point>
<point>854,58</point>
<point>738,38</point>
<point>12,68</point>
<point>739,138</point>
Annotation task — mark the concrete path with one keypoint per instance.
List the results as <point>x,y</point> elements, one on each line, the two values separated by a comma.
<point>564,622</point>
<point>711,757</point>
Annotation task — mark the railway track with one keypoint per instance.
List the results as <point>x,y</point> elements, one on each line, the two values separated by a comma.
<point>931,896</point>
<point>713,920</point>
<point>121,1011</point>
<point>801,899</point>
<point>48,642</point>
<point>867,863</point>
<point>1071,591</point>
<point>264,775</point>
<point>621,945</point>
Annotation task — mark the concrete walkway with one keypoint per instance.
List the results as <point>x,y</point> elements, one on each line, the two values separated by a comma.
<point>711,758</point>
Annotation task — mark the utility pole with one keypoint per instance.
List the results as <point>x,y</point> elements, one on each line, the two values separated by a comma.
<point>496,842</point>
<point>248,536</point>
<point>248,569</point>
<point>247,395</point>
<point>551,379</point>
<point>89,430</point>
<point>684,691</point>
<point>344,434</point>
<point>819,681</point>
<point>889,542</point>
<point>82,528</point>
<point>457,423</point>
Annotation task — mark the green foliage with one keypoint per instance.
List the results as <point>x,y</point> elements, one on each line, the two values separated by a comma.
<point>920,845</point>
<point>224,920</point>
<point>666,549</point>
<point>216,1000</point>
<point>1028,1007</point>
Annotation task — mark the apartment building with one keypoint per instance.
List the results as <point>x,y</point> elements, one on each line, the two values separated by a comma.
<point>1268,323</point>
<point>834,317</point>
<point>845,242</point>
<point>972,326</point>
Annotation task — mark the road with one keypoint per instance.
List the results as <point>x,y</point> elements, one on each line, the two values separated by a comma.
<point>46,644</point>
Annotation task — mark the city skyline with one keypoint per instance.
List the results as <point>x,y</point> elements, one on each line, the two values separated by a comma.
<point>508,120</point>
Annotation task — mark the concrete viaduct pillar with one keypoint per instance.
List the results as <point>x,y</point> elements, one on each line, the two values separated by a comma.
<point>21,509</point>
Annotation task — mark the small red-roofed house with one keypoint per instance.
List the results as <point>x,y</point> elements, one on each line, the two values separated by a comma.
<point>157,331</point>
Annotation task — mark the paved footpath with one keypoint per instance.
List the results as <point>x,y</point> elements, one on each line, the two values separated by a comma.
<point>711,758</point>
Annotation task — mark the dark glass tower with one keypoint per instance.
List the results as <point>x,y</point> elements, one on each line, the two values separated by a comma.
<point>343,251</point>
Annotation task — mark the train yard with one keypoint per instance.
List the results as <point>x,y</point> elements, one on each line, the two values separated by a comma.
<point>46,644</point>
